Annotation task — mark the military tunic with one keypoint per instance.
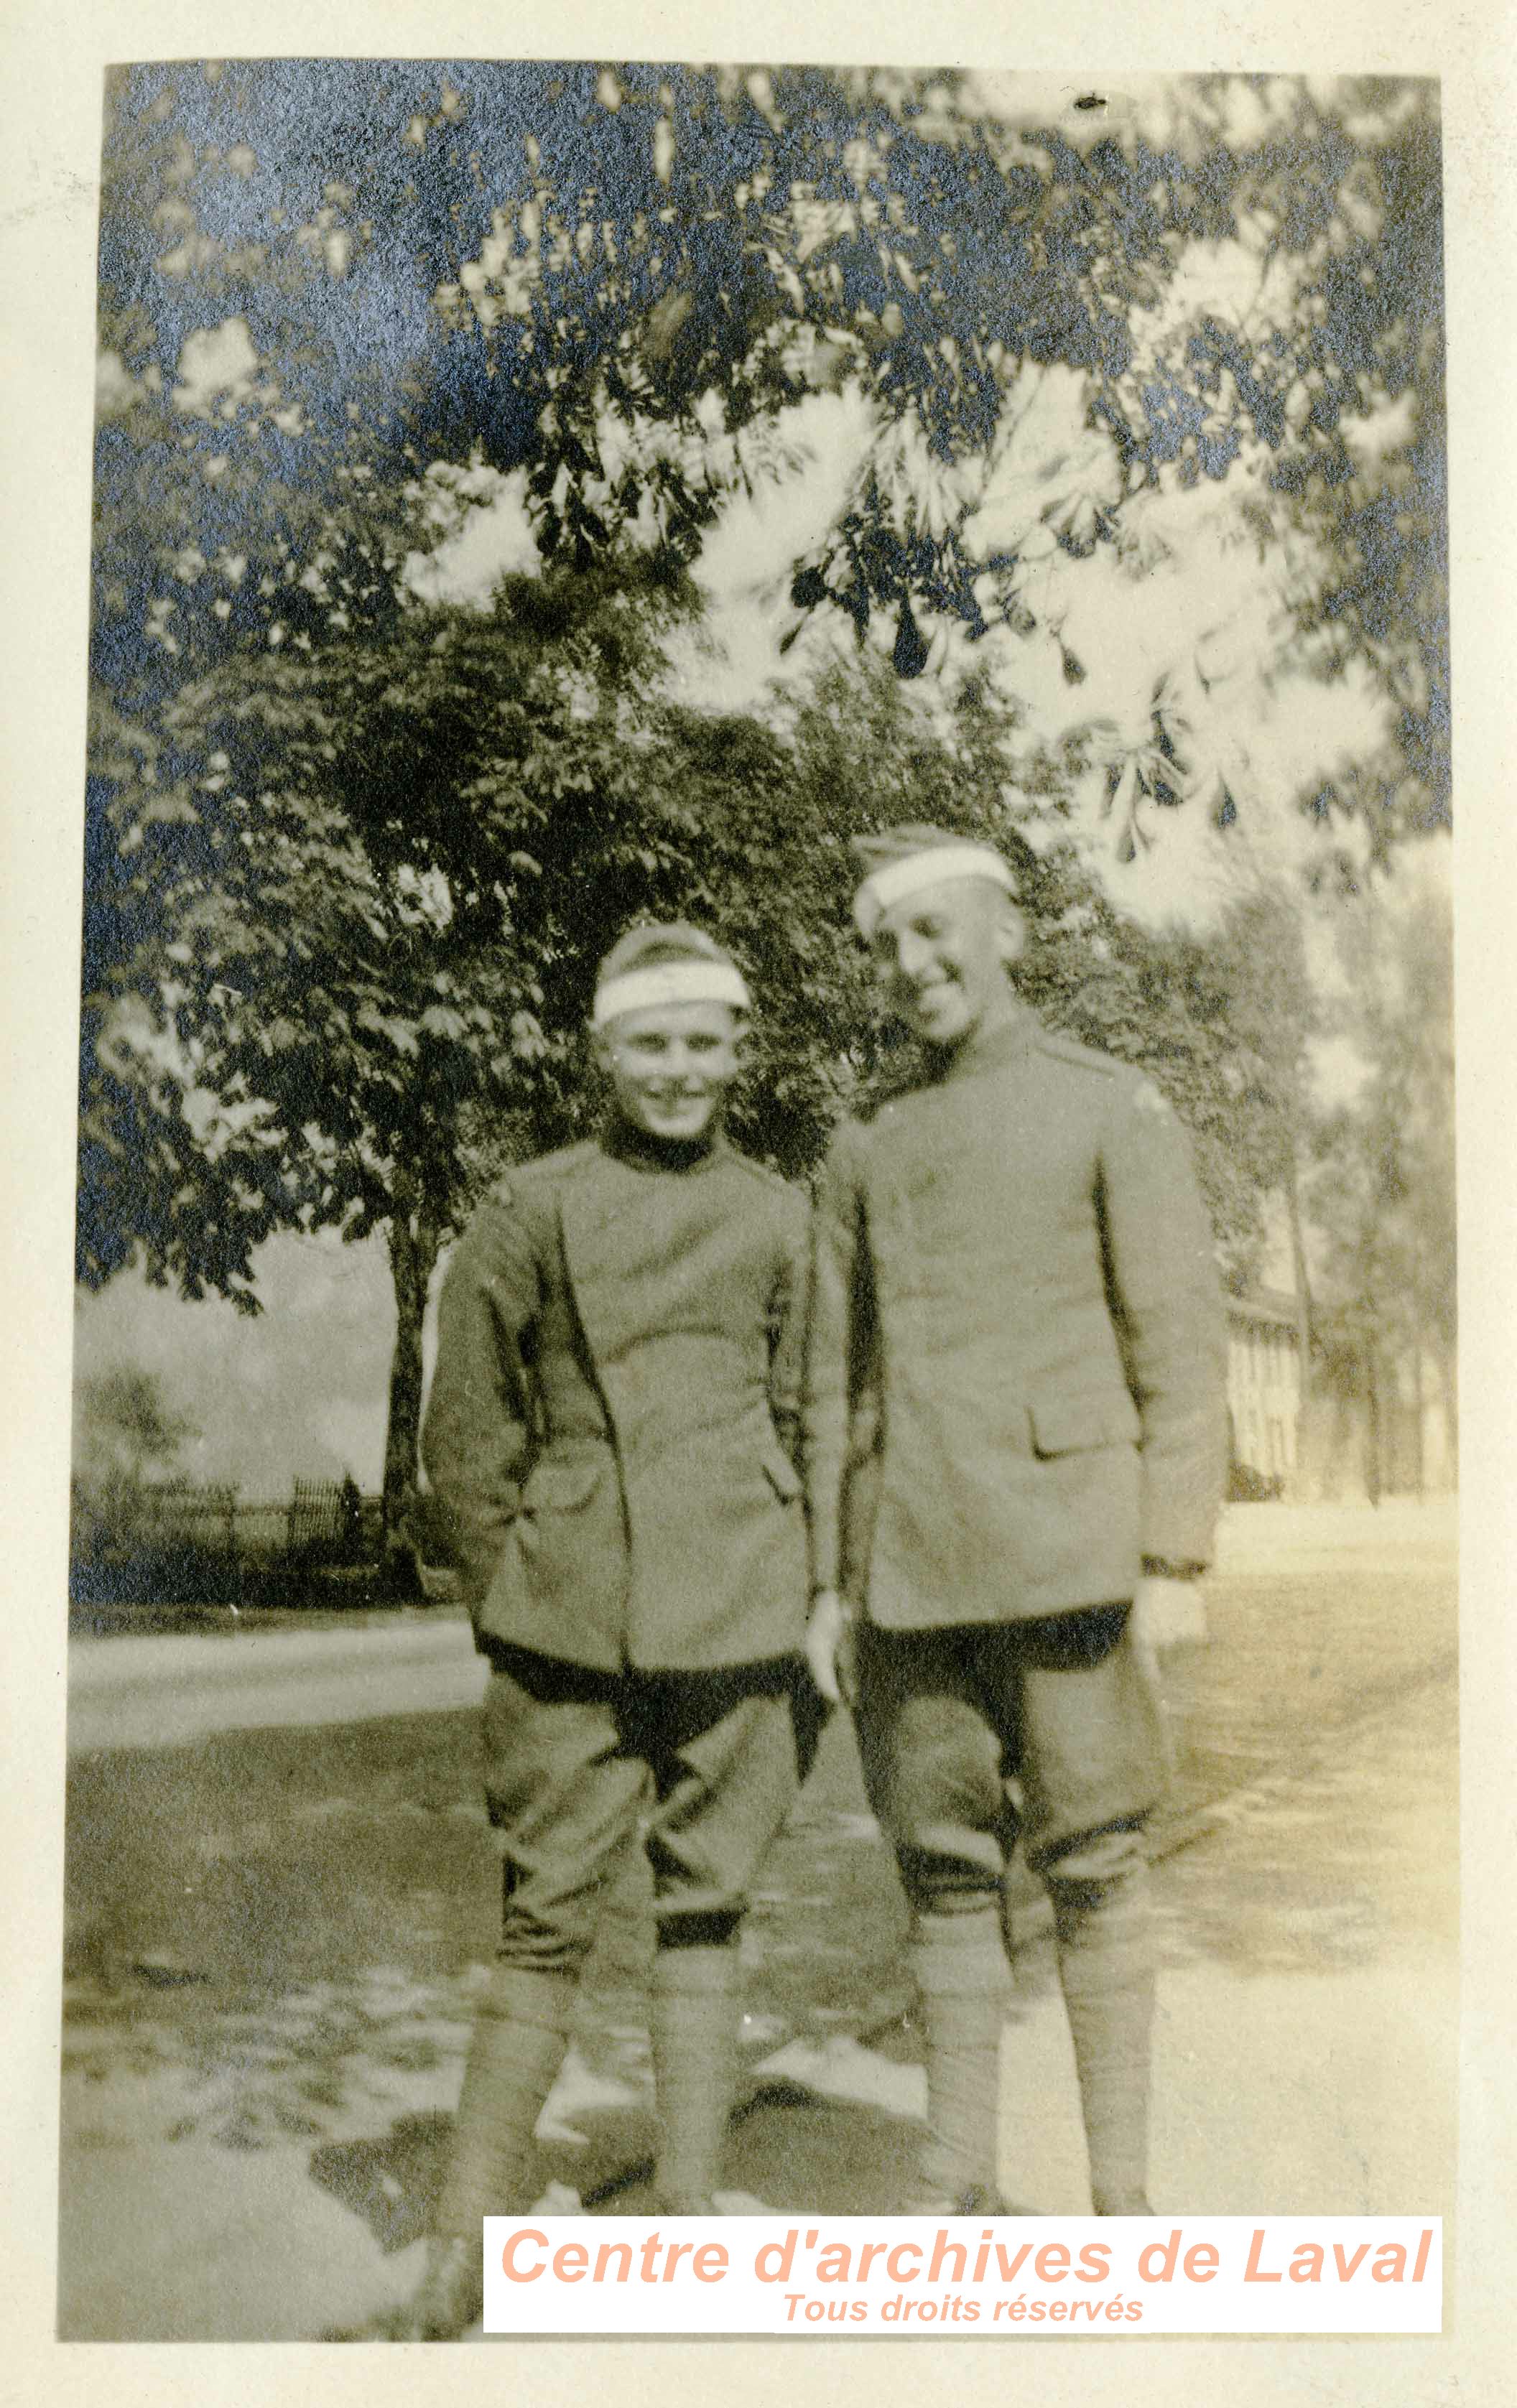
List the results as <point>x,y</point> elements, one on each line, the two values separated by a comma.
<point>610,1435</point>
<point>615,1409</point>
<point>1015,1385</point>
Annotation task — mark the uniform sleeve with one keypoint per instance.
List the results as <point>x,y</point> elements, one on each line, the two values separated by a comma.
<point>839,1354</point>
<point>477,1433</point>
<point>787,1328</point>
<point>1166,1303</point>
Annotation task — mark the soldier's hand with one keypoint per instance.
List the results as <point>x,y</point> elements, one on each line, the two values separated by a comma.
<point>1168,1613</point>
<point>1165,1613</point>
<point>828,1648</point>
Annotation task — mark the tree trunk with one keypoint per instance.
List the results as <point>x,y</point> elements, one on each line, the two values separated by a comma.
<point>1449,1382</point>
<point>414,1241</point>
<point>1298,1268</point>
<point>1306,1437</point>
<point>1372,1423</point>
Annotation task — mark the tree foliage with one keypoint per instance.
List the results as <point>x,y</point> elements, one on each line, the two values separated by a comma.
<point>319,278</point>
<point>125,1432</point>
<point>1153,428</point>
<point>381,881</point>
<point>127,1426</point>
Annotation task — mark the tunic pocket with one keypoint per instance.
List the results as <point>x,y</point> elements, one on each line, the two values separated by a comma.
<point>1072,1425</point>
<point>560,1487</point>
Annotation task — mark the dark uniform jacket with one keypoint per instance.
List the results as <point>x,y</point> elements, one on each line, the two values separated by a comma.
<point>614,1413</point>
<point>1015,1386</point>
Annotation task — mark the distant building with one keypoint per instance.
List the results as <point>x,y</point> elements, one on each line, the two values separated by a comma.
<point>1264,1384</point>
<point>1280,1448</point>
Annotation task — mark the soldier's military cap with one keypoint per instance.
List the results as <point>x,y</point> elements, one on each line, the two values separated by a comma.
<point>900,860</point>
<point>666,961</point>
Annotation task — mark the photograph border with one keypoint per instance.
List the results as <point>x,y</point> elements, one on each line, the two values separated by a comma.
<point>56,59</point>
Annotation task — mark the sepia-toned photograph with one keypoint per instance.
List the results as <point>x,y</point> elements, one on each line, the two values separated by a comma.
<point>764,1492</point>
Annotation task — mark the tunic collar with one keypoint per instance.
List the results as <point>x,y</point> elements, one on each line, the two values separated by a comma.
<point>641,1151</point>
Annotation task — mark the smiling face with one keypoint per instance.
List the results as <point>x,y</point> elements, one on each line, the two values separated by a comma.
<point>940,956</point>
<point>671,1066</point>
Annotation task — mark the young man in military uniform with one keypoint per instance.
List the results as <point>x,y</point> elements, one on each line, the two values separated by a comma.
<point>1015,1451</point>
<point>612,1434</point>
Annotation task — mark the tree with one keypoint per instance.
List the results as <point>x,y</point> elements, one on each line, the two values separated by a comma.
<point>302,1022</point>
<point>350,862</point>
<point>370,892</point>
<point>1157,396</point>
<point>1249,983</point>
<point>610,282</point>
<point>412,857</point>
<point>1383,1195</point>
<point>126,1430</point>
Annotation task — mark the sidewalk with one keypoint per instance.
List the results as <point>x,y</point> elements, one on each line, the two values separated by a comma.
<point>1306,2061</point>
<point>158,1688</point>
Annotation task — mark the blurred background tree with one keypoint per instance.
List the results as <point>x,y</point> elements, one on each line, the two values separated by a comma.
<point>124,1432</point>
<point>1383,1192</point>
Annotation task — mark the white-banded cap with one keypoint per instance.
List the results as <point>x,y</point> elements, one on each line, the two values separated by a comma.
<point>903,861</point>
<point>665,962</point>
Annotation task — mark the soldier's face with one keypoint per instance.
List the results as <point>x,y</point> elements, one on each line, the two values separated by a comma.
<point>671,1065</point>
<point>939,957</point>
